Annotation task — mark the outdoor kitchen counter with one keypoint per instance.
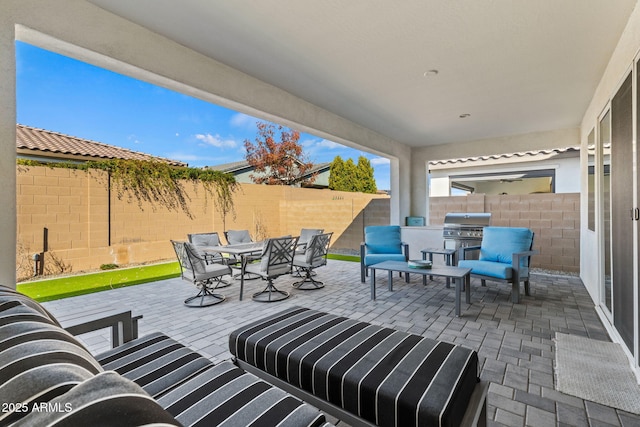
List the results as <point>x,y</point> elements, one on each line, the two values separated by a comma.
<point>418,238</point>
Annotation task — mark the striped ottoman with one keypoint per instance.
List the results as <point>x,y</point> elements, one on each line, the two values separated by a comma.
<point>386,377</point>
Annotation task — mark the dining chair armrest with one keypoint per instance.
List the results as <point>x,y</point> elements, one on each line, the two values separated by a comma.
<point>213,258</point>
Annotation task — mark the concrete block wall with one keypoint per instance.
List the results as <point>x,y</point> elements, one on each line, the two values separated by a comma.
<point>554,218</point>
<point>345,214</point>
<point>90,226</point>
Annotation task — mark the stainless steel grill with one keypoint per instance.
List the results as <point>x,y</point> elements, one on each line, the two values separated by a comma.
<point>464,229</point>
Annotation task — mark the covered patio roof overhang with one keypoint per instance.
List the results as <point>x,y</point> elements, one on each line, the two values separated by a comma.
<point>529,74</point>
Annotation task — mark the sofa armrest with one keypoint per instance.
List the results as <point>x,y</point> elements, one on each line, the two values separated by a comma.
<point>515,262</point>
<point>405,250</point>
<point>463,251</point>
<point>124,326</point>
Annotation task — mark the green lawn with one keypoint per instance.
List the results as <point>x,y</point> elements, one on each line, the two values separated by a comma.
<point>63,287</point>
<point>69,286</point>
<point>340,257</point>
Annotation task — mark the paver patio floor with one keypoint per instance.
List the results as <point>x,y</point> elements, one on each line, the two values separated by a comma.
<point>514,341</point>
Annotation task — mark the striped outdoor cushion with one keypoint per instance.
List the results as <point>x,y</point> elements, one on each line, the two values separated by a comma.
<point>196,392</point>
<point>9,295</point>
<point>106,399</point>
<point>226,395</point>
<point>155,362</point>
<point>387,377</point>
<point>38,360</point>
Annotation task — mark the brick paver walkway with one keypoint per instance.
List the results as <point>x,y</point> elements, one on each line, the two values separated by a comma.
<point>514,341</point>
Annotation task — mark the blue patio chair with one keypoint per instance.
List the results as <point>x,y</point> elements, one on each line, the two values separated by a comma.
<point>381,243</point>
<point>504,257</point>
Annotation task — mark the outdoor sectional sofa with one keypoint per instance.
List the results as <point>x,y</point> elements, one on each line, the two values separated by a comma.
<point>48,378</point>
<point>361,373</point>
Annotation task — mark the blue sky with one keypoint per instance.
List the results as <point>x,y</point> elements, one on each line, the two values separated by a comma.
<point>61,94</point>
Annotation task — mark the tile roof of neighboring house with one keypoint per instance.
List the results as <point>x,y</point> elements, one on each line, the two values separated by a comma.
<point>319,167</point>
<point>532,153</point>
<point>243,164</point>
<point>230,167</point>
<point>29,139</point>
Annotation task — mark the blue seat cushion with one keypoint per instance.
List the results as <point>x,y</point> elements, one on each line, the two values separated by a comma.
<point>500,243</point>
<point>383,239</point>
<point>376,258</point>
<point>498,270</point>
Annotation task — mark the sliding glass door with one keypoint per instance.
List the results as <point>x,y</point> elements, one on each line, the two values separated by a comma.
<point>622,204</point>
<point>604,148</point>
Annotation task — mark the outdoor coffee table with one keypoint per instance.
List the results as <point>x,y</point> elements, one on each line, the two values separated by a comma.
<point>460,275</point>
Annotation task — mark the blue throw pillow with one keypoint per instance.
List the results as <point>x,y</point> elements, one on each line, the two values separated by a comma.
<point>499,243</point>
<point>383,239</point>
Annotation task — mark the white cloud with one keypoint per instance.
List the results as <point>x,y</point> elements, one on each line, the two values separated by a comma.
<point>325,143</point>
<point>377,161</point>
<point>308,143</point>
<point>183,157</point>
<point>243,120</point>
<point>133,138</point>
<point>197,160</point>
<point>216,141</point>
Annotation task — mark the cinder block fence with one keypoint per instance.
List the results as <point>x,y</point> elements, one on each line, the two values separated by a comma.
<point>87,225</point>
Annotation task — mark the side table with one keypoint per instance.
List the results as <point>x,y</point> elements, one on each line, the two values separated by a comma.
<point>449,259</point>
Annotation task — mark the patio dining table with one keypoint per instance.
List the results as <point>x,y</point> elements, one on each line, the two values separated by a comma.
<point>241,250</point>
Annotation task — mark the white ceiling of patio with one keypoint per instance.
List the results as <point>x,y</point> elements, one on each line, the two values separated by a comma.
<point>514,66</point>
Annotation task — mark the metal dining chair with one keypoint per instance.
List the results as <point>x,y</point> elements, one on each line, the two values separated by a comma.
<point>205,276</point>
<point>314,256</point>
<point>276,260</point>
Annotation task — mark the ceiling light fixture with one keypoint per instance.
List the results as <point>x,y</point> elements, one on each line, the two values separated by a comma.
<point>465,115</point>
<point>430,73</point>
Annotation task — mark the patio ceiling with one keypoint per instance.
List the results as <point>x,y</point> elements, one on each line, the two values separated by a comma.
<point>514,66</point>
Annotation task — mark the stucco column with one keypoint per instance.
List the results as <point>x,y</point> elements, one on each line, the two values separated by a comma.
<point>7,153</point>
<point>419,189</point>
<point>401,185</point>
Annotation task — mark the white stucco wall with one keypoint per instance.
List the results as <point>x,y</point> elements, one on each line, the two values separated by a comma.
<point>619,65</point>
<point>439,185</point>
<point>515,143</point>
<point>7,157</point>
<point>567,174</point>
<point>566,169</point>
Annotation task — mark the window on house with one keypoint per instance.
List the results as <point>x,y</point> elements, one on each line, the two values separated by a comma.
<point>518,182</point>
